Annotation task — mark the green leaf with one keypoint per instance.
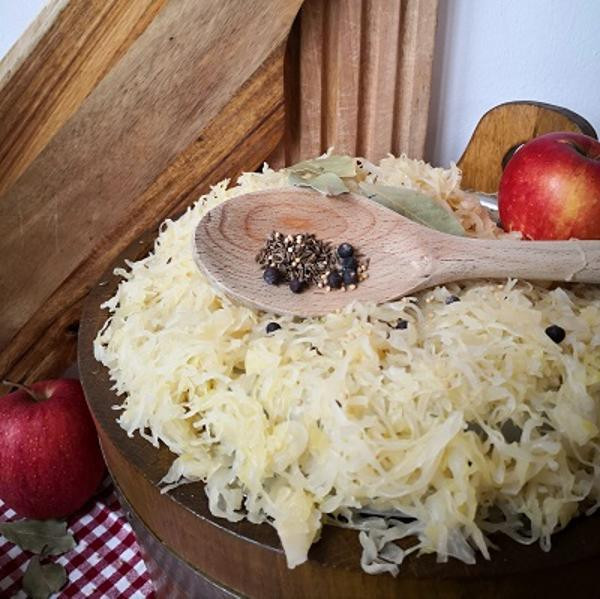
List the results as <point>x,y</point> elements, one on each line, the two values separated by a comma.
<point>323,174</point>
<point>49,537</point>
<point>414,205</point>
<point>327,183</point>
<point>40,581</point>
<point>342,166</point>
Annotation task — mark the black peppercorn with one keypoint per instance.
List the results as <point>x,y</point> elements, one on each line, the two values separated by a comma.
<point>510,431</point>
<point>272,275</point>
<point>401,324</point>
<point>556,333</point>
<point>349,263</point>
<point>334,279</point>
<point>296,286</point>
<point>272,327</point>
<point>350,277</point>
<point>345,250</point>
<point>451,299</point>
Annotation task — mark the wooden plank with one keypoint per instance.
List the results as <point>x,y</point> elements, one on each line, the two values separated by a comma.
<point>415,60</point>
<point>379,66</point>
<point>312,75</point>
<point>342,39</point>
<point>76,202</point>
<point>77,49</point>
<point>23,47</point>
<point>286,151</point>
<point>363,78</point>
<point>46,344</point>
<point>304,87</point>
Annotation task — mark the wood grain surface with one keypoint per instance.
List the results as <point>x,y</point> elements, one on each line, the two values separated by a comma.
<point>379,112</point>
<point>363,69</point>
<point>309,135</point>
<point>413,84</point>
<point>192,94</point>
<point>23,47</point>
<point>247,559</point>
<point>503,129</point>
<point>81,45</point>
<point>404,256</point>
<point>342,64</point>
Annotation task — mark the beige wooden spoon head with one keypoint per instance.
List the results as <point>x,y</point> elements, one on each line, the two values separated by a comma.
<point>404,256</point>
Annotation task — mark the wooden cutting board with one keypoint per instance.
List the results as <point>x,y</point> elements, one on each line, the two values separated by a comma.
<point>191,551</point>
<point>113,116</point>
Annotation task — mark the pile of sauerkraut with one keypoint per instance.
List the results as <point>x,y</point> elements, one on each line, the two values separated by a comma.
<point>468,421</point>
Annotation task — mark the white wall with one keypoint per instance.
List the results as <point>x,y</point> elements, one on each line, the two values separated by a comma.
<point>494,51</point>
<point>488,52</point>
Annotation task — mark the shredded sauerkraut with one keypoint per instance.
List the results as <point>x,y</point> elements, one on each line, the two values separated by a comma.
<point>469,421</point>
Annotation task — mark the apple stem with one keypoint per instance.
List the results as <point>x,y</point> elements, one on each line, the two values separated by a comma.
<point>25,388</point>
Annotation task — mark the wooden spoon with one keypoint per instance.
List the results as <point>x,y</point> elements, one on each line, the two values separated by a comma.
<point>404,256</point>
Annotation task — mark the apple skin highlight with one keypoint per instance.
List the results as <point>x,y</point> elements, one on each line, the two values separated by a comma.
<point>550,188</point>
<point>50,458</point>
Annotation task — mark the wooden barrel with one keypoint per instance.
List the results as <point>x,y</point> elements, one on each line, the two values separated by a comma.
<point>191,553</point>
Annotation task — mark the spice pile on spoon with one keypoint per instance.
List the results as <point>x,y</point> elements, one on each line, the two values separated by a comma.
<point>302,260</point>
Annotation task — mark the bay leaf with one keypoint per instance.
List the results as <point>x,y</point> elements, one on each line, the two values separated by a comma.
<point>342,166</point>
<point>49,537</point>
<point>41,580</point>
<point>327,183</point>
<point>414,205</point>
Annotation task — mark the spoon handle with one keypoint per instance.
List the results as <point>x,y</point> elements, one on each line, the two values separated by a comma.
<point>462,258</point>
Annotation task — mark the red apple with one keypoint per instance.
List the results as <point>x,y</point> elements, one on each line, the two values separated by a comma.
<point>550,188</point>
<point>50,459</point>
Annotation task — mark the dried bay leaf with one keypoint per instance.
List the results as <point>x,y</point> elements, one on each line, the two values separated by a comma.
<point>49,537</point>
<point>414,205</point>
<point>327,183</point>
<point>323,174</point>
<point>41,580</point>
<point>342,166</point>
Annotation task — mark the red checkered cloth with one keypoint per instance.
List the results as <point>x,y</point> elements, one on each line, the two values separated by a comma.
<point>105,563</point>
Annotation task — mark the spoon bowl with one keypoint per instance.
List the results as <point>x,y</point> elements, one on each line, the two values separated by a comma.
<point>404,256</point>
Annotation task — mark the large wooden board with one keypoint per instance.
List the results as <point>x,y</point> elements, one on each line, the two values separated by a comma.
<point>248,560</point>
<point>120,115</point>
